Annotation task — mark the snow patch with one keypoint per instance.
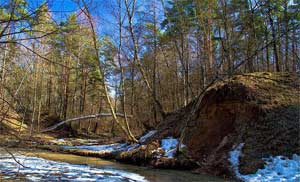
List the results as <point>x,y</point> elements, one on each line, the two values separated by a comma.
<point>234,158</point>
<point>115,147</point>
<point>148,135</point>
<point>67,141</point>
<point>278,168</point>
<point>169,145</point>
<point>38,169</point>
<point>132,146</point>
<point>60,140</point>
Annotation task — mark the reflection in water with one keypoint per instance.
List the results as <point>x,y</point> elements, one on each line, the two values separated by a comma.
<point>38,169</point>
<point>48,166</point>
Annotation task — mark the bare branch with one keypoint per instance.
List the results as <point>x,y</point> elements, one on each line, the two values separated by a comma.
<point>14,158</point>
<point>34,52</point>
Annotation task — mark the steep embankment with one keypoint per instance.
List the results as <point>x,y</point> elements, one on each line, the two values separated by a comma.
<point>261,110</point>
<point>14,132</point>
<point>11,126</point>
<point>11,121</point>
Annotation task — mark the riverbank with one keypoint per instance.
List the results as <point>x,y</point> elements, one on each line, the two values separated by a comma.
<point>158,154</point>
<point>47,166</point>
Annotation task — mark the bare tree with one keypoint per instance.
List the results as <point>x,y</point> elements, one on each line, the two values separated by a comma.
<point>106,92</point>
<point>130,9</point>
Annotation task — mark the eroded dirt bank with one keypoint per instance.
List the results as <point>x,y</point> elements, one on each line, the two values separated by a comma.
<point>260,110</point>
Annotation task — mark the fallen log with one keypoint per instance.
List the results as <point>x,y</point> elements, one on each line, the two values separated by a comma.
<point>81,118</point>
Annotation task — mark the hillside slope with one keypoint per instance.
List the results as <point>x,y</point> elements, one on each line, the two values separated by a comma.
<point>261,110</point>
<point>12,122</point>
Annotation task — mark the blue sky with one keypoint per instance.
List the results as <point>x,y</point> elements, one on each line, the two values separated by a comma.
<point>101,9</point>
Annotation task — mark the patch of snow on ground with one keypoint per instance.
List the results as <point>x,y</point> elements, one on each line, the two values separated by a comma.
<point>148,135</point>
<point>61,140</point>
<point>132,146</point>
<point>182,146</point>
<point>169,146</point>
<point>58,141</point>
<point>38,169</point>
<point>234,157</point>
<point>66,141</point>
<point>277,168</point>
<point>115,147</point>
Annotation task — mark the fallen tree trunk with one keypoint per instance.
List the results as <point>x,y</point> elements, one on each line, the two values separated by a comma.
<point>81,118</point>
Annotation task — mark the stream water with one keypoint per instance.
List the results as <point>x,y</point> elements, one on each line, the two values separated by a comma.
<point>48,166</point>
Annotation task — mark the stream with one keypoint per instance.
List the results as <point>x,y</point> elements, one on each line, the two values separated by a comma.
<point>45,166</point>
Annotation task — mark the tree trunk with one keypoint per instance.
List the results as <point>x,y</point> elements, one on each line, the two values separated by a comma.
<point>124,129</point>
<point>130,14</point>
<point>66,89</point>
<point>294,51</point>
<point>154,61</point>
<point>274,41</point>
<point>286,20</point>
